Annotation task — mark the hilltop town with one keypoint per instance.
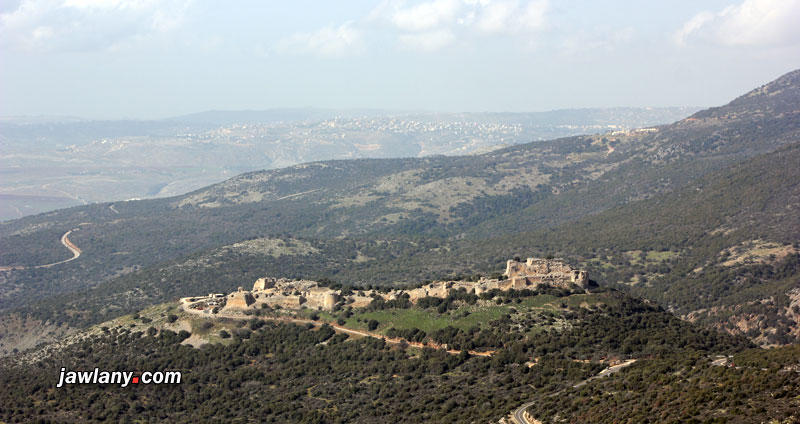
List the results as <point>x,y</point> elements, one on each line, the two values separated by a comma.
<point>307,294</point>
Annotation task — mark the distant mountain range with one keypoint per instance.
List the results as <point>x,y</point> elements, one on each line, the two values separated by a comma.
<point>54,162</point>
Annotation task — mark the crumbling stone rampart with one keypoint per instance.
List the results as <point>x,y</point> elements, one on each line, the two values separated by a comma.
<point>294,294</point>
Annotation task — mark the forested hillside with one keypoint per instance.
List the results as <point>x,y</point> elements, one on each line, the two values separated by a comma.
<point>282,372</point>
<point>759,386</point>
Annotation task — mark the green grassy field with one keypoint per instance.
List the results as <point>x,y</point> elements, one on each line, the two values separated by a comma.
<point>655,256</point>
<point>464,317</point>
<point>428,319</point>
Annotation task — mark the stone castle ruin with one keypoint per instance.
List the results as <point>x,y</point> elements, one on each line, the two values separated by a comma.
<point>240,299</point>
<point>296,294</point>
<point>534,272</point>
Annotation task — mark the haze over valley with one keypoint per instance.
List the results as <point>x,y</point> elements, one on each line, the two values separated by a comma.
<point>52,163</point>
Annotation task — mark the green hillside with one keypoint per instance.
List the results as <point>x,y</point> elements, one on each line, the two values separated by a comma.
<point>752,386</point>
<point>283,372</point>
<point>649,248</point>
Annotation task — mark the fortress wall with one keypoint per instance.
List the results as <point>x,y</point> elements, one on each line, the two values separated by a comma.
<point>520,275</point>
<point>239,300</point>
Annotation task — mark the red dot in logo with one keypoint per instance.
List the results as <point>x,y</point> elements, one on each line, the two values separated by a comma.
<point>135,380</point>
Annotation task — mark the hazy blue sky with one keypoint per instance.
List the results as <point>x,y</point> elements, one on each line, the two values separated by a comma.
<point>156,58</point>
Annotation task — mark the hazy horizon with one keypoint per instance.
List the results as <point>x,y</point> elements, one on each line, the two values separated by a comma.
<point>371,111</point>
<point>122,59</point>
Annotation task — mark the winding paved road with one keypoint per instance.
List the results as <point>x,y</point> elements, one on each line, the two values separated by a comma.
<point>519,414</point>
<point>76,253</point>
<point>297,194</point>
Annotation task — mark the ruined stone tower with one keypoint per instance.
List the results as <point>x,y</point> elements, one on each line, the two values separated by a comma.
<point>537,271</point>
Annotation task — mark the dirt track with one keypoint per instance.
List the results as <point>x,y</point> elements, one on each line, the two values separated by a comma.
<point>185,303</point>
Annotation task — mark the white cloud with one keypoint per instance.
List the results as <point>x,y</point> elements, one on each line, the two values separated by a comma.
<point>44,25</point>
<point>435,24</point>
<point>427,16</point>
<point>328,41</point>
<point>511,16</point>
<point>427,41</point>
<point>691,26</point>
<point>759,23</point>
<point>494,16</point>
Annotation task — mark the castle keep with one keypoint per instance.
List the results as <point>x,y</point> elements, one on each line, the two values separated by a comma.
<point>291,294</point>
<point>543,271</point>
